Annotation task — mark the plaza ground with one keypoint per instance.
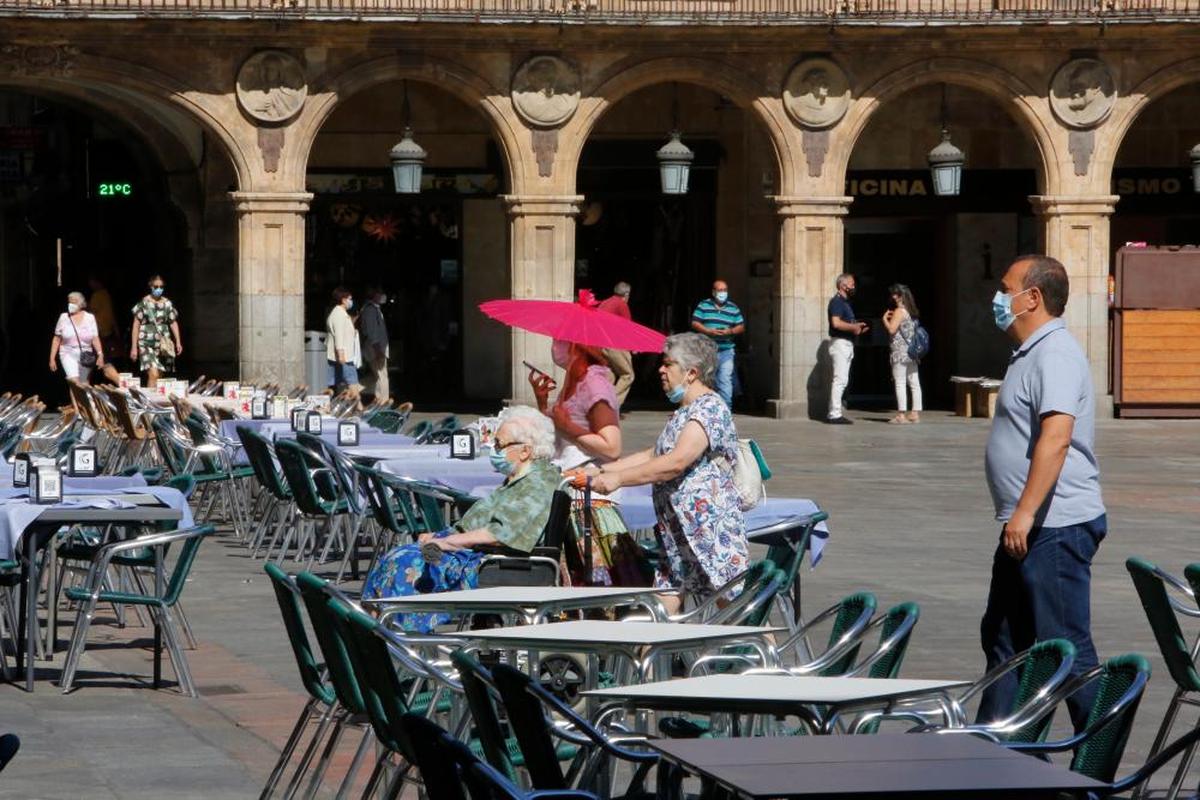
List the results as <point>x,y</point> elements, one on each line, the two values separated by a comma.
<point>910,520</point>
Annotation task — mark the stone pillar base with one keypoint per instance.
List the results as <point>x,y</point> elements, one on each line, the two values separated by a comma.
<point>787,409</point>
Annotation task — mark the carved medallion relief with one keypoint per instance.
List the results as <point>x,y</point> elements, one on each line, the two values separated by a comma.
<point>271,86</point>
<point>545,91</point>
<point>1082,93</point>
<point>816,93</point>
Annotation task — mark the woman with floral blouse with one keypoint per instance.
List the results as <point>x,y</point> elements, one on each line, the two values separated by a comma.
<point>156,339</point>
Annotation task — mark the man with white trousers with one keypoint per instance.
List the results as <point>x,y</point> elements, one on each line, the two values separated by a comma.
<point>842,330</point>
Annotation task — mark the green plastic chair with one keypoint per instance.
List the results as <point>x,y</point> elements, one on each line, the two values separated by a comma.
<point>419,431</point>
<point>1099,746</point>
<point>160,606</point>
<point>1154,587</point>
<point>315,492</point>
<point>321,696</point>
<point>276,496</point>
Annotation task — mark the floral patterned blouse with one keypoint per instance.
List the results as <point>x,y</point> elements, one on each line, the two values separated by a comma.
<point>700,524</point>
<point>901,339</point>
<point>156,319</point>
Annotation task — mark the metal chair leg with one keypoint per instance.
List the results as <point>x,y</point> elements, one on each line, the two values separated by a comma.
<point>309,752</point>
<point>83,621</point>
<point>359,755</point>
<point>331,745</point>
<point>178,659</point>
<point>307,715</point>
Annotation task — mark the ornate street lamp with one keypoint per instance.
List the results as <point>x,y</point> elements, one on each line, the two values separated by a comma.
<point>674,165</point>
<point>1196,168</point>
<point>946,161</point>
<point>408,157</point>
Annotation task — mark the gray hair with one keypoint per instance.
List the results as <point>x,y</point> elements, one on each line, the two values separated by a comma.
<point>622,289</point>
<point>77,298</point>
<point>693,351</point>
<point>842,280</point>
<point>533,428</point>
<point>1049,276</point>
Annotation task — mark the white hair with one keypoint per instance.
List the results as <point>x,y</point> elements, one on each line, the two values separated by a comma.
<point>77,298</point>
<point>694,351</point>
<point>533,428</point>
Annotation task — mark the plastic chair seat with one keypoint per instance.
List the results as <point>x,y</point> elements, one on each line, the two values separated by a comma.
<point>128,598</point>
<point>565,752</point>
<point>87,552</point>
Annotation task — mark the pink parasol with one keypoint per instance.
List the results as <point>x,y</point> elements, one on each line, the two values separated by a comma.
<point>579,323</point>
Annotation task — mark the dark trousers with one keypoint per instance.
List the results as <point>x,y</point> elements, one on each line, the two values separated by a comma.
<point>1046,595</point>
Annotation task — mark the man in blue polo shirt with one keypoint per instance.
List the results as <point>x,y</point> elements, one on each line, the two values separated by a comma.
<point>843,328</point>
<point>1045,485</point>
<point>720,319</point>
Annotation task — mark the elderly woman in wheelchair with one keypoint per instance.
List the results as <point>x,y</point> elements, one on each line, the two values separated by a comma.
<point>512,516</point>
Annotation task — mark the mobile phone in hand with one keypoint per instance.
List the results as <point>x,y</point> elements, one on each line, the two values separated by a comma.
<point>534,369</point>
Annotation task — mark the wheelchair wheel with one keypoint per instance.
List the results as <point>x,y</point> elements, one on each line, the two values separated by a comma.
<point>564,676</point>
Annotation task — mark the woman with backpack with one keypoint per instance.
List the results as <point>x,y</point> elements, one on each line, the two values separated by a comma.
<point>902,325</point>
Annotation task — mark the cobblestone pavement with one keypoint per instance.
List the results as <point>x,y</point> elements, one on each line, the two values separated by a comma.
<point>910,520</point>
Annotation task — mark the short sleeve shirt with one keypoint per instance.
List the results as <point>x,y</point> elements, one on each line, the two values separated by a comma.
<point>74,336</point>
<point>517,511</point>
<point>1047,374</point>
<point>725,315</point>
<point>840,307</point>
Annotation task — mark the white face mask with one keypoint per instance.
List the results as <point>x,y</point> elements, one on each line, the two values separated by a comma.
<point>72,308</point>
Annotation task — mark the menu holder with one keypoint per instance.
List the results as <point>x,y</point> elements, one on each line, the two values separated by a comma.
<point>82,463</point>
<point>298,416</point>
<point>312,423</point>
<point>231,390</point>
<point>45,485</point>
<point>347,434</point>
<point>258,407</point>
<point>279,407</point>
<point>22,465</point>
<point>462,445</point>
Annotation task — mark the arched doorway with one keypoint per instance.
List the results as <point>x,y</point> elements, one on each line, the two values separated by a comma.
<point>436,254</point>
<point>82,196</point>
<point>950,250</point>
<point>670,248</point>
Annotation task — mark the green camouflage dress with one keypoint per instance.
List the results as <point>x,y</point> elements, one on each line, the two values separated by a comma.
<point>156,319</point>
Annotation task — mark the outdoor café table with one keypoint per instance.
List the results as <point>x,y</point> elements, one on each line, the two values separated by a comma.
<point>886,765</point>
<point>279,428</point>
<point>147,510</point>
<point>533,604</point>
<point>639,642</point>
<point>773,695</point>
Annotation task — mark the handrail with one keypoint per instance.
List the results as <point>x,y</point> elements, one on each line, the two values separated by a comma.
<point>636,12</point>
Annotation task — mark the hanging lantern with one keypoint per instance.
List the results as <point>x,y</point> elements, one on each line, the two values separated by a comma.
<point>1196,168</point>
<point>674,164</point>
<point>408,158</point>
<point>946,164</point>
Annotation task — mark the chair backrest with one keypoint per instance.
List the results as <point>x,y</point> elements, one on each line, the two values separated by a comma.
<point>300,467</point>
<point>341,465</point>
<point>258,452</point>
<point>1122,681</point>
<point>850,609</point>
<point>437,758</point>
<point>185,484</point>
<point>333,650</point>
<point>1037,670</point>
<point>125,419</point>
<point>894,635</point>
<point>382,500</point>
<point>287,596</point>
<point>1151,585</point>
<point>171,450</point>
<point>420,430</point>
<point>476,681</point>
<point>383,694</point>
<point>9,745</point>
<point>527,719</point>
<point>183,564</point>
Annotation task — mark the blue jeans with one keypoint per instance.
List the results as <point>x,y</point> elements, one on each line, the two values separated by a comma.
<point>346,374</point>
<point>1046,595</point>
<point>724,385</point>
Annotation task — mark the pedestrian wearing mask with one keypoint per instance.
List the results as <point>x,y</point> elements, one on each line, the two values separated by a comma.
<point>901,323</point>
<point>720,320</point>
<point>156,339</point>
<point>76,343</point>
<point>843,328</point>
<point>373,331</point>
<point>341,344</point>
<point>619,361</point>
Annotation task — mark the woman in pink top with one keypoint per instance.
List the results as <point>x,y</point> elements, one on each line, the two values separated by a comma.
<point>76,340</point>
<point>586,413</point>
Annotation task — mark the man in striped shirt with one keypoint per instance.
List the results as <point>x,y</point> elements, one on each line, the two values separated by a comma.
<point>720,319</point>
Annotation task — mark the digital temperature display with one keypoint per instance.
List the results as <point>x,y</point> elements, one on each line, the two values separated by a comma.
<point>114,189</point>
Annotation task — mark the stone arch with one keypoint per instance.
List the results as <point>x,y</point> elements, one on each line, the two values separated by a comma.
<point>1012,93</point>
<point>1137,99</point>
<point>454,78</point>
<point>626,77</point>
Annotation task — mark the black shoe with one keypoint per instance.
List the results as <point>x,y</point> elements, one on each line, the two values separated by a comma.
<point>839,421</point>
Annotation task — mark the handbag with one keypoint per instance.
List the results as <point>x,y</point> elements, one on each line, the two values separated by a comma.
<point>605,547</point>
<point>87,358</point>
<point>166,346</point>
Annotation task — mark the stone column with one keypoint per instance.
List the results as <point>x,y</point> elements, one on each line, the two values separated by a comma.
<point>1075,231</point>
<point>271,286</point>
<point>810,258</point>
<point>542,254</point>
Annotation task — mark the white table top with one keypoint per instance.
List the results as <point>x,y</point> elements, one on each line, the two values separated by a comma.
<point>514,596</point>
<point>604,633</point>
<point>777,689</point>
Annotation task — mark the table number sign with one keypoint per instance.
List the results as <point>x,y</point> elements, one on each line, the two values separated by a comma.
<point>347,434</point>
<point>258,407</point>
<point>231,389</point>
<point>22,465</point>
<point>298,416</point>
<point>312,422</point>
<point>83,462</point>
<point>279,407</point>
<point>45,485</point>
<point>462,445</point>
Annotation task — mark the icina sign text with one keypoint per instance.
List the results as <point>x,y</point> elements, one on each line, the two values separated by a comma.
<point>115,189</point>
<point>886,187</point>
